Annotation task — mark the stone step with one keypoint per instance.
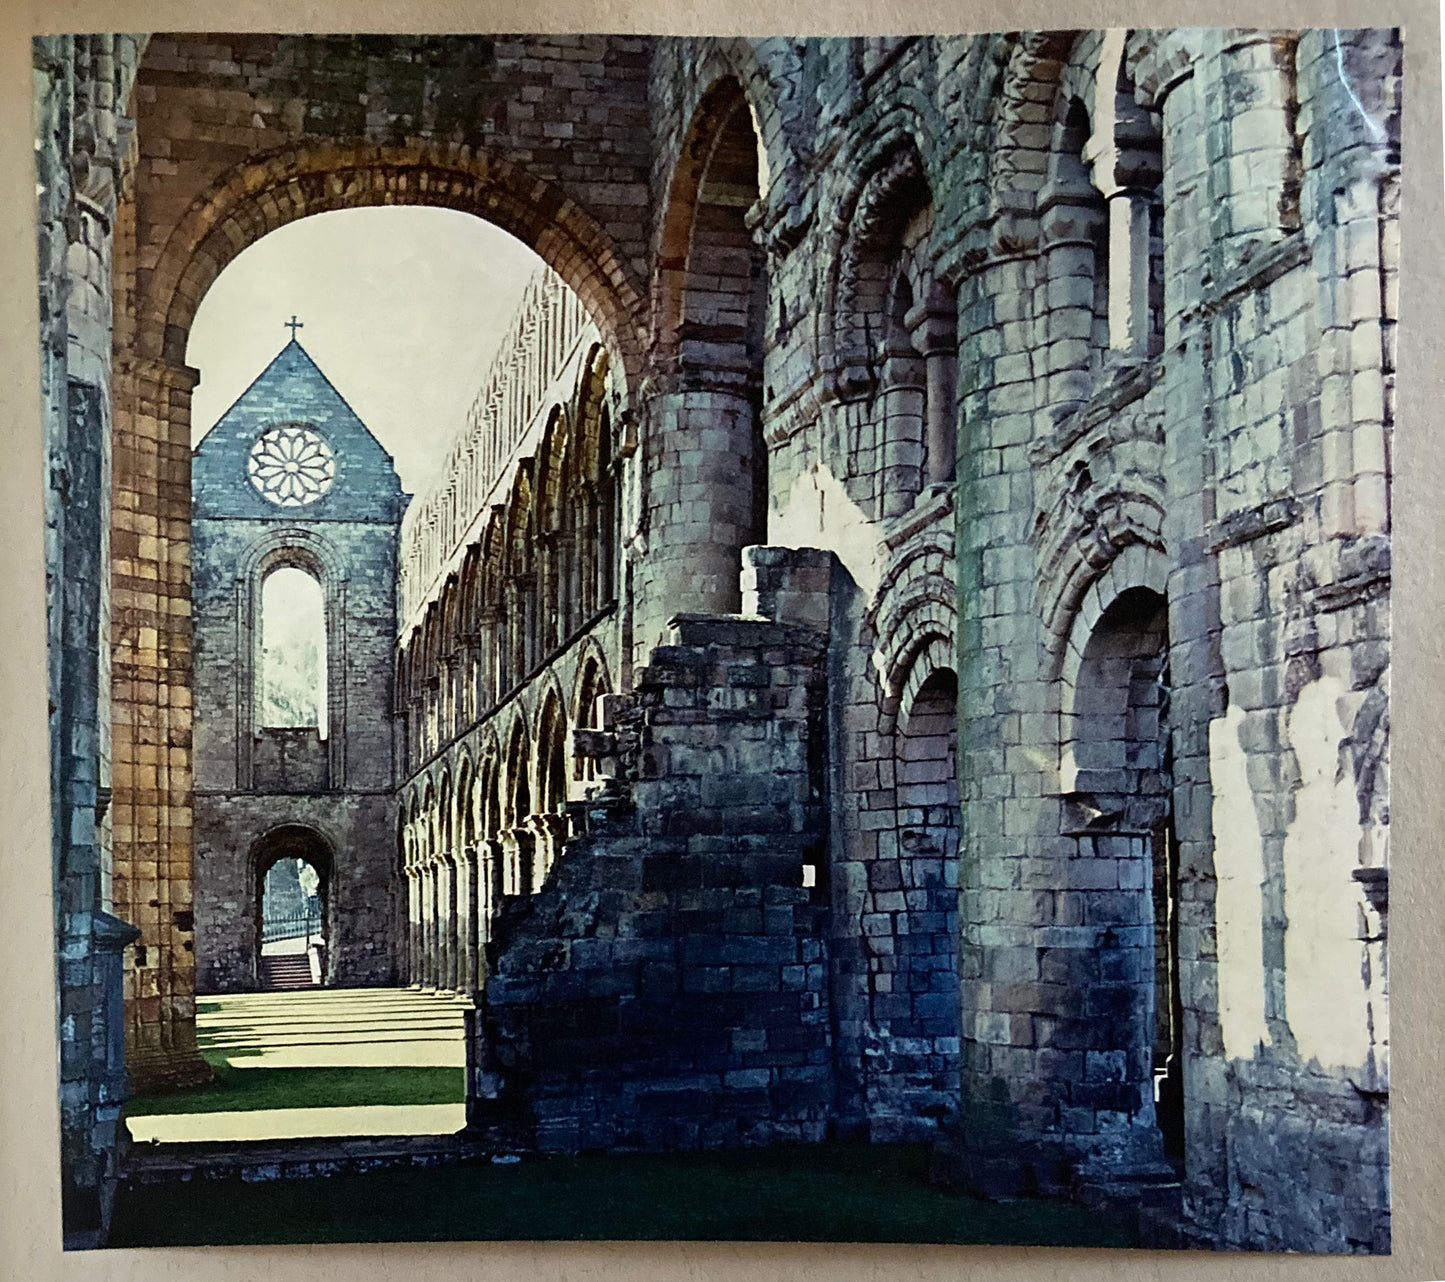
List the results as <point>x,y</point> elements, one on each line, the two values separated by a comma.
<point>288,971</point>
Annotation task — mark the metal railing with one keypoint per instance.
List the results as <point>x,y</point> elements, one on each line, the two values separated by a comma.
<point>302,926</point>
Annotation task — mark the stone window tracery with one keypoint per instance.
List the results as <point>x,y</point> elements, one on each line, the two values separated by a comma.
<point>291,466</point>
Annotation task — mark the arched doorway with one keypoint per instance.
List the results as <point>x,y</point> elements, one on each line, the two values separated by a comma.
<point>293,927</point>
<point>1118,794</point>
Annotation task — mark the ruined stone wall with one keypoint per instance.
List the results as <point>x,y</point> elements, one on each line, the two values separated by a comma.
<point>1097,238</point>
<point>262,785</point>
<point>1077,351</point>
<point>357,865</point>
<point>1207,475</point>
<point>84,159</point>
<point>667,987</point>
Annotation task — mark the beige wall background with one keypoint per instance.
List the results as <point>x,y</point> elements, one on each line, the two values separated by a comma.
<point>29,1180</point>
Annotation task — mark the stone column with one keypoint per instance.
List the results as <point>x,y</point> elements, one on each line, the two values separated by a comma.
<point>489,647</point>
<point>447,697</point>
<point>428,926</point>
<point>1254,178</point>
<point>1129,273</point>
<point>549,835</point>
<point>699,464</point>
<point>446,923</point>
<point>1128,168</point>
<point>519,859</point>
<point>490,857</point>
<point>471,668</point>
<point>1351,195</point>
<point>416,732</point>
<point>1071,217</point>
<point>466,935</point>
<point>564,565</point>
<point>150,655</point>
<point>934,327</point>
<point>904,400</point>
<point>413,928</point>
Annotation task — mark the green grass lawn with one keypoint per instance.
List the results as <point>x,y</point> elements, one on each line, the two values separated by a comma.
<point>245,1089</point>
<point>822,1193</point>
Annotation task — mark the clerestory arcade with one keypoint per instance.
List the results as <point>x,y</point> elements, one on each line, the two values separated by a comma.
<point>901,646</point>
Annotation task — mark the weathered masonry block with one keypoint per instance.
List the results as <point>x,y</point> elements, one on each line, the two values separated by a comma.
<point>668,987</point>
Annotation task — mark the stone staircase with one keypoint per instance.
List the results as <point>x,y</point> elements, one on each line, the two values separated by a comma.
<point>667,987</point>
<point>286,970</point>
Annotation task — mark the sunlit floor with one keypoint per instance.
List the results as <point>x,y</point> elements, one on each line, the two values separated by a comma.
<point>318,1063</point>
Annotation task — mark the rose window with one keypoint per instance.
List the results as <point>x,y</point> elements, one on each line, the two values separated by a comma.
<point>291,466</point>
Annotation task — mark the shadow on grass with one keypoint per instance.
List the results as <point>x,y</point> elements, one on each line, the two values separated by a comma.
<point>824,1193</point>
<point>250,1089</point>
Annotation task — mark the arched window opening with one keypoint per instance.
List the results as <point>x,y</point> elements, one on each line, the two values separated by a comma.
<point>1118,783</point>
<point>607,514</point>
<point>927,768</point>
<point>588,716</point>
<point>929,820</point>
<point>517,838</point>
<point>1126,152</point>
<point>899,333</point>
<point>293,651</point>
<point>493,871</point>
<point>552,792</point>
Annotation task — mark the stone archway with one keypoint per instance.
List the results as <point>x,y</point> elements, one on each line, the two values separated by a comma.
<point>277,926</point>
<point>710,300</point>
<point>1117,792</point>
<point>212,179</point>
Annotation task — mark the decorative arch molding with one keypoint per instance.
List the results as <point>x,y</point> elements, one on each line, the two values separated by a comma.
<point>270,190</point>
<point>1091,523</point>
<point>928,556</point>
<point>916,599</point>
<point>890,164</point>
<point>591,660</point>
<point>770,72</point>
<point>1134,566</point>
<point>931,655</point>
<point>256,854</point>
<point>916,607</point>
<point>520,726</point>
<point>548,688</point>
<point>1019,72</point>
<point>291,546</point>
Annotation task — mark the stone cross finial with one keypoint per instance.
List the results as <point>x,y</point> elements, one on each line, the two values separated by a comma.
<point>293,324</point>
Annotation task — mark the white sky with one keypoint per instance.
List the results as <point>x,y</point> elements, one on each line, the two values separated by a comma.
<point>401,308</point>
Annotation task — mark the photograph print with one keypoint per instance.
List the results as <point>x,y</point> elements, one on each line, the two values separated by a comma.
<point>696,638</point>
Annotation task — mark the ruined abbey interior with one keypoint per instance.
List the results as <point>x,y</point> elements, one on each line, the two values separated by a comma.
<point>900,648</point>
